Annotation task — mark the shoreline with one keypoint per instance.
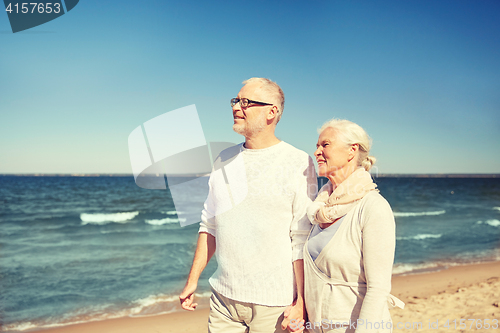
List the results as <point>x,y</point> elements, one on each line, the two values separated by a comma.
<point>427,283</point>
<point>434,294</point>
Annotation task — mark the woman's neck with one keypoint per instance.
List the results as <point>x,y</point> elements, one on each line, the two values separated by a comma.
<point>337,177</point>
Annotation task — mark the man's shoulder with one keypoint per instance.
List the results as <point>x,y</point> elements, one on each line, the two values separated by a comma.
<point>294,150</point>
<point>296,158</point>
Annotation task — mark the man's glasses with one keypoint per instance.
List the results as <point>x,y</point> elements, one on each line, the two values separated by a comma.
<point>245,102</point>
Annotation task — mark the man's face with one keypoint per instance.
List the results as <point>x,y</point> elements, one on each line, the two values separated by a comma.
<point>251,120</point>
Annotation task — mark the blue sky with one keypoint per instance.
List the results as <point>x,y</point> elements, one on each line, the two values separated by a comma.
<point>422,77</point>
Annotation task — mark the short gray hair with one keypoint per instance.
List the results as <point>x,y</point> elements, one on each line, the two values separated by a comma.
<point>351,134</point>
<point>273,90</point>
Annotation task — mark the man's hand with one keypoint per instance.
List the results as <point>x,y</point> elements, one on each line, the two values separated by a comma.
<point>205,248</point>
<point>295,317</point>
<point>187,297</point>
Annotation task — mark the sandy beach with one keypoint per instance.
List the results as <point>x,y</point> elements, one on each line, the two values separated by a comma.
<point>461,298</point>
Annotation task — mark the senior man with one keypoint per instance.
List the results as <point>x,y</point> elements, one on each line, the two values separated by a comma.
<point>257,231</point>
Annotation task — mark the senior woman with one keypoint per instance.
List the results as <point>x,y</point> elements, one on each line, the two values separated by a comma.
<point>349,254</point>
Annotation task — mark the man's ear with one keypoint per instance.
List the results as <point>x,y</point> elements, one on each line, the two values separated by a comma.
<point>272,113</point>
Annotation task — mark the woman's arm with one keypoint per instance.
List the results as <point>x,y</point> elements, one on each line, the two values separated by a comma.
<point>378,246</point>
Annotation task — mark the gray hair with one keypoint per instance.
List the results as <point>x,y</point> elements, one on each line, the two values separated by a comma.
<point>273,90</point>
<point>351,134</point>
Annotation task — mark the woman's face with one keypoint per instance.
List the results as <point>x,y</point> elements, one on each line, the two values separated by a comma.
<point>331,154</point>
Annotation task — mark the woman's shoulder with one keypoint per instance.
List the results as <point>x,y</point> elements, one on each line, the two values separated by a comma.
<point>375,204</point>
<point>374,198</point>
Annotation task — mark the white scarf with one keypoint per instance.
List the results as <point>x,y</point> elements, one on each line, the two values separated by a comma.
<point>327,208</point>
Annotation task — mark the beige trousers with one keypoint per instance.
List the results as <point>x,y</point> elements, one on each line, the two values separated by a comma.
<point>230,316</point>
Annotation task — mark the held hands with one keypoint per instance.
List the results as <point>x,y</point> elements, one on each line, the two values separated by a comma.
<point>295,317</point>
<point>187,297</point>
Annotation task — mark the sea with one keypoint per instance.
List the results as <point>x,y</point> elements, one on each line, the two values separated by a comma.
<point>80,249</point>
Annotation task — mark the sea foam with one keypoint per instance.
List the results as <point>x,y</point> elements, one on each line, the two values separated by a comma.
<point>406,214</point>
<point>100,218</point>
<point>493,223</point>
<point>166,220</point>
<point>172,212</point>
<point>406,268</point>
<point>163,303</point>
<point>420,236</point>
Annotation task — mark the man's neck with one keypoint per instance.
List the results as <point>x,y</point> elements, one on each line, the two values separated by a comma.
<point>261,141</point>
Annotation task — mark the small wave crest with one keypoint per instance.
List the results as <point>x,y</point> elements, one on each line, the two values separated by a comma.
<point>161,304</point>
<point>493,223</point>
<point>167,220</point>
<point>21,326</point>
<point>432,266</point>
<point>496,208</point>
<point>406,214</point>
<point>172,212</point>
<point>404,268</point>
<point>85,315</point>
<point>100,218</point>
<point>420,236</point>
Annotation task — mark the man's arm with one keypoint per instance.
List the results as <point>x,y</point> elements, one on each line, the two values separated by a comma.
<point>297,312</point>
<point>205,249</point>
<point>300,227</point>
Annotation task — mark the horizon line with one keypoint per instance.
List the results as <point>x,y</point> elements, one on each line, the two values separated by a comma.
<point>379,175</point>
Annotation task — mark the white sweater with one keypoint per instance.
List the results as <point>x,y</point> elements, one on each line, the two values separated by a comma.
<point>256,210</point>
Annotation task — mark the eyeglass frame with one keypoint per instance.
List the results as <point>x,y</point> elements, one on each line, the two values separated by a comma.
<point>237,100</point>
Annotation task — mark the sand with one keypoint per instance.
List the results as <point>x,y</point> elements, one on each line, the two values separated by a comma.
<point>469,293</point>
<point>459,299</point>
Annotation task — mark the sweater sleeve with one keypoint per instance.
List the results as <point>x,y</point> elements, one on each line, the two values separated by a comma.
<point>307,188</point>
<point>207,223</point>
<point>378,246</point>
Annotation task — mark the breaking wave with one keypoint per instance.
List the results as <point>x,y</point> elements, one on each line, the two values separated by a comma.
<point>100,218</point>
<point>493,223</point>
<point>406,214</point>
<point>420,236</point>
<point>166,220</point>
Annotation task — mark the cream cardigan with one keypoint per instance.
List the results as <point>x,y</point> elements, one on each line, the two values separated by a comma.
<point>351,277</point>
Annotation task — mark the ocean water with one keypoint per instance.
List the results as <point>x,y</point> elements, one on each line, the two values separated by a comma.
<point>78,249</point>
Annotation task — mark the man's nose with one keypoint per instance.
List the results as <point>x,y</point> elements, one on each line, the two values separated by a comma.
<point>236,107</point>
